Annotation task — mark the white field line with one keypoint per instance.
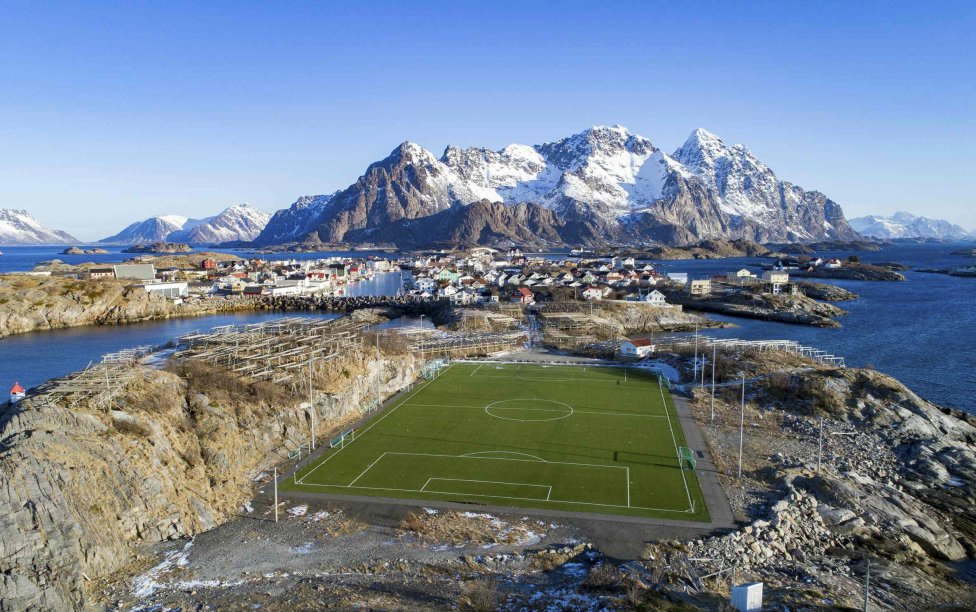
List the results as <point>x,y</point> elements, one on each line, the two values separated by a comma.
<point>691,504</point>
<point>555,501</point>
<point>598,413</point>
<point>367,469</point>
<point>476,370</point>
<point>476,453</point>
<point>421,490</point>
<point>592,465</point>
<point>391,411</point>
<point>424,488</point>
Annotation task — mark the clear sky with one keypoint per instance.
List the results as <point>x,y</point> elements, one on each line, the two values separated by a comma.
<point>110,113</point>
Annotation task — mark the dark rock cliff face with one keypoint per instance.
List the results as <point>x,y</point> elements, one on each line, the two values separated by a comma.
<point>408,184</point>
<point>481,223</point>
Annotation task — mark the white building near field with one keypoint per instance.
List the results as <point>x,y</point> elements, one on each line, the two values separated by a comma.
<point>636,347</point>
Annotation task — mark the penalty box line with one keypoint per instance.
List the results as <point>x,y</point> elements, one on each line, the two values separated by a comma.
<point>377,422</point>
<point>421,490</point>
<point>424,488</point>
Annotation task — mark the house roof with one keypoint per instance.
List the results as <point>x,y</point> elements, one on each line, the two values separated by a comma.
<point>640,341</point>
<point>523,292</point>
<point>16,388</point>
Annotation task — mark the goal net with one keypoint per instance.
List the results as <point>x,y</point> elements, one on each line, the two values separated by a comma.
<point>687,458</point>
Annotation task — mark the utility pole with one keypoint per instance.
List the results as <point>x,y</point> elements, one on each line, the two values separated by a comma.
<point>694,375</point>
<point>714,355</point>
<point>820,446</point>
<point>742,422</point>
<point>276,492</point>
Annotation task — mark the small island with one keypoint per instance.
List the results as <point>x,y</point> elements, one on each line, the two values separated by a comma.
<point>79,251</point>
<point>160,247</point>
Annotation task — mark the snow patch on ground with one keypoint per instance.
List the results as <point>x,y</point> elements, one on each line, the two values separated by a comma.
<point>146,584</point>
<point>297,511</point>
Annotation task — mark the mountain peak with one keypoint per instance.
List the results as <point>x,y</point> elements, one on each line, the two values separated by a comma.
<point>19,227</point>
<point>702,138</point>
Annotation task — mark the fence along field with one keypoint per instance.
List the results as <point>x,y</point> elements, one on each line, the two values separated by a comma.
<point>583,439</point>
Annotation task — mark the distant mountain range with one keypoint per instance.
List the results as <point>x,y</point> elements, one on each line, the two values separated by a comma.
<point>602,185</point>
<point>907,225</point>
<point>240,222</point>
<point>18,227</point>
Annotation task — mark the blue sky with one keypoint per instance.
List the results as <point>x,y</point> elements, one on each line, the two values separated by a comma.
<point>112,112</point>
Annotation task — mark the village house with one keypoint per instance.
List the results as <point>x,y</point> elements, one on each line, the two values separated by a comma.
<point>594,292</point>
<point>523,295</point>
<point>636,347</point>
<point>741,276</point>
<point>100,273</point>
<point>655,298</point>
<point>775,281</point>
<point>700,287</point>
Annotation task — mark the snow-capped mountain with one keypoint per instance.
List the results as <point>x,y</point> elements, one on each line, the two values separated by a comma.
<point>153,229</point>
<point>241,222</point>
<point>300,219</point>
<point>907,225</point>
<point>18,227</point>
<point>604,184</point>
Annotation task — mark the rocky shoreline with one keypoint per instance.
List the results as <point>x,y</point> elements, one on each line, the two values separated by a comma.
<point>862,272</point>
<point>800,310</point>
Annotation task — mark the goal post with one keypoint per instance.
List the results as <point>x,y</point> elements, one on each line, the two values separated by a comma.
<point>686,458</point>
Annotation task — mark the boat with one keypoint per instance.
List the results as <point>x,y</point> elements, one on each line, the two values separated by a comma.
<point>17,393</point>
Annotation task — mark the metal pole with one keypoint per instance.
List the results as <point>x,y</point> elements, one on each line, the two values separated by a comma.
<point>379,367</point>
<point>820,446</point>
<point>276,492</point>
<point>867,585</point>
<point>311,404</point>
<point>694,375</point>
<point>742,422</point>
<point>421,337</point>
<point>714,355</point>
<point>703,370</point>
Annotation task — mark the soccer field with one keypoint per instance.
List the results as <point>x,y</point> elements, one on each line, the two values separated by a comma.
<point>583,439</point>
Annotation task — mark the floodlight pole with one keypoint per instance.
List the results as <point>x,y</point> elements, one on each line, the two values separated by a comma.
<point>276,492</point>
<point>714,355</point>
<point>742,422</point>
<point>694,375</point>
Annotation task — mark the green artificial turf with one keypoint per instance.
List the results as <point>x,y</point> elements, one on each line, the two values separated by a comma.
<point>595,439</point>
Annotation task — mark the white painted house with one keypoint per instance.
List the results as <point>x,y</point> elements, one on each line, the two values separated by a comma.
<point>655,298</point>
<point>636,347</point>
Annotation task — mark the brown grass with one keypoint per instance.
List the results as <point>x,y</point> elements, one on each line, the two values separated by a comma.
<point>482,595</point>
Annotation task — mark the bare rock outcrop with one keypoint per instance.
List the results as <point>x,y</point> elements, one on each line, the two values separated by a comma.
<point>174,454</point>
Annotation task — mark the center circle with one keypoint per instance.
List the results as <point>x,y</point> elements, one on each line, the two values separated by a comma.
<point>529,410</point>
